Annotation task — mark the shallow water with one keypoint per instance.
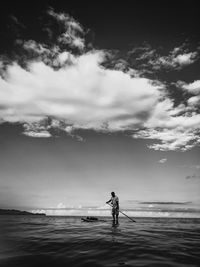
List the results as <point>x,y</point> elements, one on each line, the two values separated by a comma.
<point>66,241</point>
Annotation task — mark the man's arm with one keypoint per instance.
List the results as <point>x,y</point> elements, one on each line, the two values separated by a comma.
<point>108,201</point>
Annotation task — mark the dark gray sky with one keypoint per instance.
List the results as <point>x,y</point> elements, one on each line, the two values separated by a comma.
<point>96,98</point>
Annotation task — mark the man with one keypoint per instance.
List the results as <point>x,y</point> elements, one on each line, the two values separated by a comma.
<point>115,207</point>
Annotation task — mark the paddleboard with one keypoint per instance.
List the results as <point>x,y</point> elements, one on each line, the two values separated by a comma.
<point>88,219</point>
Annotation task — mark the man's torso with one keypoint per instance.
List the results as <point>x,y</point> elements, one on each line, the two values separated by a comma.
<point>114,201</point>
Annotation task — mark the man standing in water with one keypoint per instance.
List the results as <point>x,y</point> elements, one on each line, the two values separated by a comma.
<point>115,207</point>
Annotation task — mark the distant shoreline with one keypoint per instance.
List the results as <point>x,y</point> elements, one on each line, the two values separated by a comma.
<point>19,212</point>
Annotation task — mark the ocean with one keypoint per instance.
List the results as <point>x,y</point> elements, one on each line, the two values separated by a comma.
<point>67,241</point>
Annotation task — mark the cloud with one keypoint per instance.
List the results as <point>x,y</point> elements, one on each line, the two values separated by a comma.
<point>36,130</point>
<point>193,176</point>
<point>174,61</point>
<point>71,30</point>
<point>196,166</point>
<point>83,94</point>
<point>65,86</point>
<point>39,211</point>
<point>61,206</point>
<point>193,87</point>
<point>104,207</point>
<point>194,101</point>
<point>164,203</point>
<point>43,134</point>
<point>16,22</point>
<point>151,60</point>
<point>173,139</point>
<point>153,209</point>
<point>163,160</point>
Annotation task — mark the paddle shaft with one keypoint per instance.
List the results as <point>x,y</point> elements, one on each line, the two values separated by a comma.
<point>124,214</point>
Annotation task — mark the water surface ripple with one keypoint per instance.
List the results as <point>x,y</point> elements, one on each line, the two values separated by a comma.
<point>66,241</point>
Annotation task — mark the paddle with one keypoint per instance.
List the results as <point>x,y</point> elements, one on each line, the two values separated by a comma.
<point>124,214</point>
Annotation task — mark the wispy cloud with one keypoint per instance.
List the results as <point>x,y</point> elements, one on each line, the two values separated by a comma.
<point>174,60</point>
<point>162,160</point>
<point>61,206</point>
<point>39,211</point>
<point>147,209</point>
<point>72,31</point>
<point>165,202</point>
<point>16,21</point>
<point>34,130</point>
<point>193,176</point>
<point>67,86</point>
<point>152,60</point>
<point>171,139</point>
<point>196,166</point>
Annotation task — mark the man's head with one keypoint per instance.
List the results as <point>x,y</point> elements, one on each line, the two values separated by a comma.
<point>113,194</point>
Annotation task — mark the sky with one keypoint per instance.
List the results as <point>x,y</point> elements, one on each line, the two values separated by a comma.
<point>100,97</point>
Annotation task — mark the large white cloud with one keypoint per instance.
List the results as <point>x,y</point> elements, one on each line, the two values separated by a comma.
<point>84,94</point>
<point>60,89</point>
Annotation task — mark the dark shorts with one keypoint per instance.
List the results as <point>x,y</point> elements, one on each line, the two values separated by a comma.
<point>115,211</point>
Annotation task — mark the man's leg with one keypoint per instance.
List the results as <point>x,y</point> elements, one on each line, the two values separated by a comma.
<point>117,219</point>
<point>113,214</point>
